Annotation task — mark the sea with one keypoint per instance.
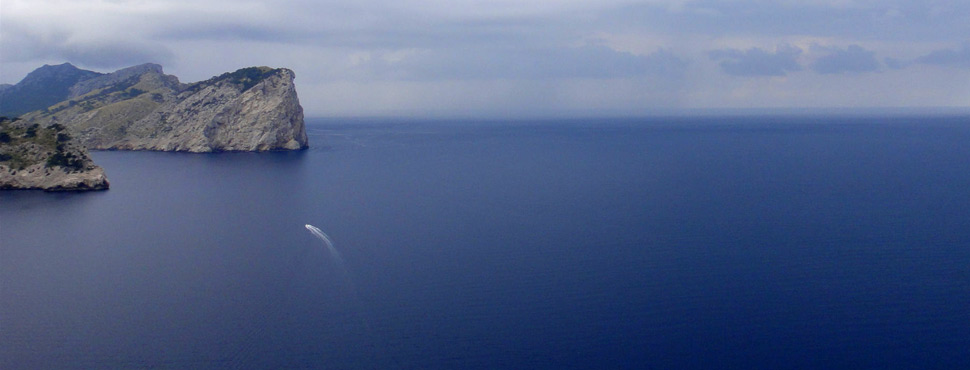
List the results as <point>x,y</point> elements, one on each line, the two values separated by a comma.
<point>798,241</point>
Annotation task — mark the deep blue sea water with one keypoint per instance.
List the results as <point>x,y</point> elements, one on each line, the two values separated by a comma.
<point>765,242</point>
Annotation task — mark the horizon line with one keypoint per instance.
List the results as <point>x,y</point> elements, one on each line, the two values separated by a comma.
<point>670,112</point>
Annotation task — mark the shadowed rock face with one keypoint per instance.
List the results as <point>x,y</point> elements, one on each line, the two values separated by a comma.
<point>41,88</point>
<point>140,108</point>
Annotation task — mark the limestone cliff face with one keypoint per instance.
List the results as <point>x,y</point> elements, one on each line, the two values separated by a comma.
<point>140,108</point>
<point>248,110</point>
<point>46,158</point>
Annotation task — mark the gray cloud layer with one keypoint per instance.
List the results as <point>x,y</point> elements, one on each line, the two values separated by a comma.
<point>959,58</point>
<point>947,20</point>
<point>757,61</point>
<point>21,44</point>
<point>853,59</point>
<point>593,61</point>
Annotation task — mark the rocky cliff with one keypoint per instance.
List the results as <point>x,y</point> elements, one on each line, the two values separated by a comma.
<point>35,157</point>
<point>141,108</point>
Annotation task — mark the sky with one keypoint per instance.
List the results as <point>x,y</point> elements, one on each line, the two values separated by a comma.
<point>514,58</point>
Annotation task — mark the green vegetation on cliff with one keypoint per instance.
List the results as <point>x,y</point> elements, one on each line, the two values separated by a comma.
<point>23,145</point>
<point>244,78</point>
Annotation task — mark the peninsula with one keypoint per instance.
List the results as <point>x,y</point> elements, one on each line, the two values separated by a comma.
<point>140,108</point>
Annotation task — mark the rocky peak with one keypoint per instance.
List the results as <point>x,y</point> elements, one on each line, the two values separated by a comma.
<point>56,75</point>
<point>47,72</point>
<point>42,88</point>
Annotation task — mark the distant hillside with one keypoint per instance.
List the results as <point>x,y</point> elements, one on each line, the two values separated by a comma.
<point>141,108</point>
<point>47,158</point>
<point>45,86</point>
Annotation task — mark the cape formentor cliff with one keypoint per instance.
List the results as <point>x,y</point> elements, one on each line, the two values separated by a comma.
<point>34,157</point>
<point>138,108</point>
<point>141,108</point>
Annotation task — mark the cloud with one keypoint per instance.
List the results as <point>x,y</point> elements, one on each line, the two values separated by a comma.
<point>959,58</point>
<point>853,59</point>
<point>757,61</point>
<point>938,20</point>
<point>114,54</point>
<point>590,61</point>
<point>64,46</point>
<point>895,63</point>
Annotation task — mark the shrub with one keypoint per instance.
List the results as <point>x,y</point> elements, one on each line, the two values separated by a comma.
<point>244,78</point>
<point>31,131</point>
<point>133,92</point>
<point>67,160</point>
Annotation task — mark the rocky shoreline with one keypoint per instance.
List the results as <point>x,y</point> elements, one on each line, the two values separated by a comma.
<point>37,177</point>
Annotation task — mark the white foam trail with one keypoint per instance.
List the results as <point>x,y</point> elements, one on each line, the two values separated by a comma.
<point>342,271</point>
<point>326,240</point>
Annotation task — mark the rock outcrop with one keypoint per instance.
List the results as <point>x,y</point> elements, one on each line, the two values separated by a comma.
<point>46,158</point>
<point>141,108</point>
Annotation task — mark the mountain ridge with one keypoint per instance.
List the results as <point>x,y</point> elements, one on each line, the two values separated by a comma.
<point>41,88</point>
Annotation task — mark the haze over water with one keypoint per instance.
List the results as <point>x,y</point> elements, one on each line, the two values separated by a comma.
<point>733,242</point>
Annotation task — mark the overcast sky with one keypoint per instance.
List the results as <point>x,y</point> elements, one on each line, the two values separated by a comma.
<point>523,58</point>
